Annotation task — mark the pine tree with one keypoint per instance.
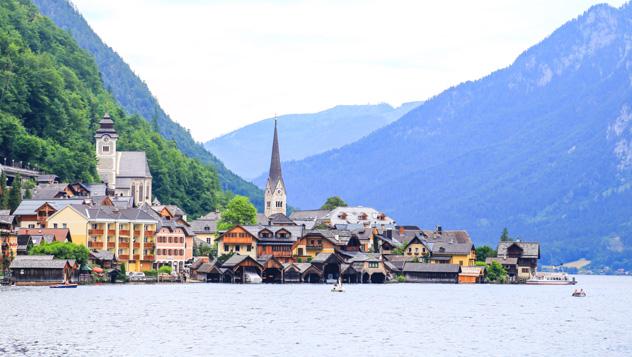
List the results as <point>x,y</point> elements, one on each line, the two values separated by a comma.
<point>504,237</point>
<point>15,195</point>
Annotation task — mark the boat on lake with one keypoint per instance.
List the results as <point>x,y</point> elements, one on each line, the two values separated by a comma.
<point>64,286</point>
<point>337,288</point>
<point>551,279</point>
<point>579,293</point>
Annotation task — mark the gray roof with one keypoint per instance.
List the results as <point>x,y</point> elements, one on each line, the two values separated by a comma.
<point>40,263</point>
<point>48,190</point>
<point>302,267</point>
<point>275,175</point>
<point>133,164</point>
<point>114,213</point>
<point>234,260</point>
<point>295,232</point>
<point>335,236</point>
<point>306,215</point>
<point>280,218</point>
<point>123,182</point>
<point>503,261</point>
<point>46,178</point>
<point>431,268</point>
<point>204,226</point>
<point>5,217</point>
<point>321,258</point>
<point>28,207</point>
<point>446,248</point>
<point>96,189</point>
<point>529,249</point>
<point>457,242</point>
<point>102,255</point>
<point>106,127</point>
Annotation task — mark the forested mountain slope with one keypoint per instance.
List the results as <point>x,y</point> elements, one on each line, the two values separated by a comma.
<point>543,147</point>
<point>51,99</point>
<point>134,95</point>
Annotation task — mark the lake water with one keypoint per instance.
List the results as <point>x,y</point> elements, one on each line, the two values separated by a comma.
<point>309,320</point>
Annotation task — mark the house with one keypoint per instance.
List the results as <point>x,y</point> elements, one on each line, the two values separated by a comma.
<point>276,241</point>
<point>292,273</point>
<point>510,265</point>
<point>472,275</point>
<point>174,236</point>
<point>239,240</point>
<point>51,191</point>
<point>366,216</point>
<point>209,273</point>
<point>526,253</point>
<point>126,173</point>
<point>103,258</point>
<point>128,233</point>
<point>273,269</point>
<point>329,264</point>
<point>449,247</point>
<point>34,213</point>
<point>431,273</point>
<point>42,270</point>
<point>46,234</point>
<point>416,247</point>
<point>405,233</point>
<point>316,241</point>
<point>7,221</point>
<point>205,228</point>
<point>369,265</point>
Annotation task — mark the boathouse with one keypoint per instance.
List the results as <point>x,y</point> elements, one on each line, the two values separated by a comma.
<point>42,270</point>
<point>431,273</point>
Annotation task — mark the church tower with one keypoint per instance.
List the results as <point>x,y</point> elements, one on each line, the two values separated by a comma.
<point>106,137</point>
<point>275,196</point>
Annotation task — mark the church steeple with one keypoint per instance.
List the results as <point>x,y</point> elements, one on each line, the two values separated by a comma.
<point>275,196</point>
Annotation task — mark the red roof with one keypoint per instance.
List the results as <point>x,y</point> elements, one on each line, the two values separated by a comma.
<point>60,234</point>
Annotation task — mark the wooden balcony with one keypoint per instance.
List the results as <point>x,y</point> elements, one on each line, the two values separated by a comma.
<point>123,244</point>
<point>149,257</point>
<point>136,256</point>
<point>149,245</point>
<point>237,240</point>
<point>123,257</point>
<point>96,232</point>
<point>111,245</point>
<point>111,232</point>
<point>283,254</point>
<point>136,233</point>
<point>150,233</point>
<point>124,232</point>
<point>137,245</point>
<point>95,245</point>
<point>314,247</point>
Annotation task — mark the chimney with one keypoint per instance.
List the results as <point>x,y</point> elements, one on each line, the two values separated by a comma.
<point>439,229</point>
<point>401,230</point>
<point>269,221</point>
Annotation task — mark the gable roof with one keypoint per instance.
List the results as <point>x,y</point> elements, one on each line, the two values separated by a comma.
<point>58,234</point>
<point>502,260</point>
<point>280,218</point>
<point>529,249</point>
<point>132,164</point>
<point>237,259</point>
<point>28,207</point>
<point>102,255</point>
<point>305,215</point>
<point>44,263</point>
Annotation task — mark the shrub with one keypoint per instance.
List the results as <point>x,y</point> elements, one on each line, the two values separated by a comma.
<point>165,269</point>
<point>151,273</point>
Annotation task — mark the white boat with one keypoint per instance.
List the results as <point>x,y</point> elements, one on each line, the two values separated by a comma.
<point>551,279</point>
<point>337,288</point>
<point>252,278</point>
<point>579,293</point>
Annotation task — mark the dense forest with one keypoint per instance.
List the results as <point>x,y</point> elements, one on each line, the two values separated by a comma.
<point>135,97</point>
<point>51,99</point>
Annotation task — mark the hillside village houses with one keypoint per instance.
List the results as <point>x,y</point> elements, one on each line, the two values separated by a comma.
<point>121,224</point>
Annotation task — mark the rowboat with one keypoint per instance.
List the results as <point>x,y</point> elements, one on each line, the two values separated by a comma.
<point>64,286</point>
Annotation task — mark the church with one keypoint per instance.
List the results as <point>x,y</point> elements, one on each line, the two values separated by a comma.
<point>126,173</point>
<point>275,195</point>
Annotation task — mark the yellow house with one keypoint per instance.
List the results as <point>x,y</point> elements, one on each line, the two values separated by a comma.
<point>128,233</point>
<point>205,228</point>
<point>416,248</point>
<point>450,247</point>
<point>238,240</point>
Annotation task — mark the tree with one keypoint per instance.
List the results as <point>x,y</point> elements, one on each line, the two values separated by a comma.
<point>496,272</point>
<point>15,195</point>
<point>333,202</point>
<point>224,257</point>
<point>504,237</point>
<point>4,194</point>
<point>62,250</point>
<point>484,252</point>
<point>238,211</point>
<point>165,269</point>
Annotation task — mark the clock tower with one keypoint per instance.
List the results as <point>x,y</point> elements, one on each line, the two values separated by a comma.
<point>106,137</point>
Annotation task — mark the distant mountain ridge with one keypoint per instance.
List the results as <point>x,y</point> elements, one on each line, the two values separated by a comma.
<point>246,150</point>
<point>134,95</point>
<point>543,147</point>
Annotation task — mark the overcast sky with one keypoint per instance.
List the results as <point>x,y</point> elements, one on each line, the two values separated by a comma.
<point>216,66</point>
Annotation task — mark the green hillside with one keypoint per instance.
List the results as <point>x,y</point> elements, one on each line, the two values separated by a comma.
<point>135,97</point>
<point>51,98</point>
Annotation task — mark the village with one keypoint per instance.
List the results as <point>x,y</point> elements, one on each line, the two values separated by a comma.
<point>132,237</point>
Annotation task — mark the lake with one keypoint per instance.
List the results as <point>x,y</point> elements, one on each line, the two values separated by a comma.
<point>295,320</point>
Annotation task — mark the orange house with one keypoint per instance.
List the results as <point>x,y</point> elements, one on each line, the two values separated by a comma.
<point>237,240</point>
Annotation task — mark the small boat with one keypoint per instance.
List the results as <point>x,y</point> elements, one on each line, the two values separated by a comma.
<point>579,293</point>
<point>551,279</point>
<point>64,286</point>
<point>337,288</point>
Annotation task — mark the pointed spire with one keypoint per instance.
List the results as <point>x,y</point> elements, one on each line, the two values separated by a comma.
<point>106,127</point>
<point>275,161</point>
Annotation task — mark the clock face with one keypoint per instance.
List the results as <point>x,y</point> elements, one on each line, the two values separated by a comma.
<point>106,139</point>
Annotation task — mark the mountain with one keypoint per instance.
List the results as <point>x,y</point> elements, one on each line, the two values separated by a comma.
<point>241,149</point>
<point>134,95</point>
<point>543,147</point>
<point>51,99</point>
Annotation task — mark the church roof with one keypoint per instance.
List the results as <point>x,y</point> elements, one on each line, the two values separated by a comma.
<point>275,161</point>
<point>133,164</point>
<point>106,127</point>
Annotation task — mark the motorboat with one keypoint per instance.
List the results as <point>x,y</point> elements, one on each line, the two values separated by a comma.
<point>337,288</point>
<point>252,278</point>
<point>551,279</point>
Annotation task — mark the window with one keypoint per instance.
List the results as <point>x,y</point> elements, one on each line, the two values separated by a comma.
<point>207,228</point>
<point>279,204</point>
<point>54,225</point>
<point>237,248</point>
<point>249,248</point>
<point>373,264</point>
<point>31,226</point>
<point>170,240</point>
<point>181,251</point>
<point>208,240</point>
<point>106,148</point>
<point>268,204</point>
<point>225,248</point>
<point>525,270</point>
<point>94,226</point>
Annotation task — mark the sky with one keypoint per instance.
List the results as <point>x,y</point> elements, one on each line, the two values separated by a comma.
<point>216,66</point>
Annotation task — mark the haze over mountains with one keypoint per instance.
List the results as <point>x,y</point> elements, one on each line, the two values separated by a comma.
<point>246,150</point>
<point>543,147</point>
